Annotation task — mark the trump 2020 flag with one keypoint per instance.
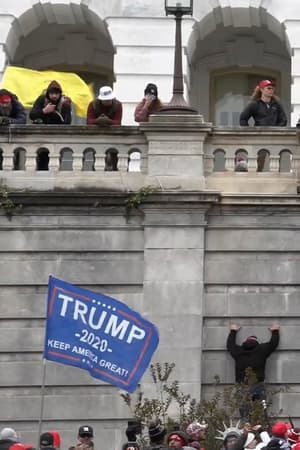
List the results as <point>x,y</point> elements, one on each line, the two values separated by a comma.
<point>99,334</point>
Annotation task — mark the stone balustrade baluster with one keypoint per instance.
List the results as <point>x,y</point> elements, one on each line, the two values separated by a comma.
<point>100,159</point>
<point>7,163</point>
<point>274,163</point>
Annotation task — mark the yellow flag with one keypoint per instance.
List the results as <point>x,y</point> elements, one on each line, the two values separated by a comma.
<point>28,84</point>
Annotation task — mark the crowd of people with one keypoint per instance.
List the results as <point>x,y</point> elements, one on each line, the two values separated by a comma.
<point>250,354</point>
<point>280,436</point>
<point>53,107</point>
<point>50,440</point>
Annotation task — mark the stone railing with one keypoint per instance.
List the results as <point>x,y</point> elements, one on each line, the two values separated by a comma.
<point>182,150</point>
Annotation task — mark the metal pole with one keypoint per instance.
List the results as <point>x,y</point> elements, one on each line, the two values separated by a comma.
<point>42,404</point>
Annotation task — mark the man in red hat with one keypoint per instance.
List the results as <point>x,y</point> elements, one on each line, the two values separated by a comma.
<point>252,354</point>
<point>264,107</point>
<point>11,110</point>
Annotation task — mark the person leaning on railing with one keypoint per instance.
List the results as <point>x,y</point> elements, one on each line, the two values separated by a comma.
<point>105,109</point>
<point>11,109</point>
<point>264,107</point>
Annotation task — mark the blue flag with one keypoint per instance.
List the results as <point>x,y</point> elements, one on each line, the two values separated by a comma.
<point>99,334</point>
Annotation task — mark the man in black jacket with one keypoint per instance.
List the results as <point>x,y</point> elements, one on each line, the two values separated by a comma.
<point>251,354</point>
<point>52,107</point>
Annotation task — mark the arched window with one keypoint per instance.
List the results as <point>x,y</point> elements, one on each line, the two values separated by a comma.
<point>19,159</point>
<point>1,159</point>
<point>285,161</point>
<point>111,160</point>
<point>219,160</point>
<point>263,160</point>
<point>134,160</point>
<point>66,159</point>
<point>88,160</point>
<point>42,159</point>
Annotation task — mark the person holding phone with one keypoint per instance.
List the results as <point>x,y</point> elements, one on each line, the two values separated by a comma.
<point>150,104</point>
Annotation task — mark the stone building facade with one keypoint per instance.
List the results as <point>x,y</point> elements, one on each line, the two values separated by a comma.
<point>228,47</point>
<point>209,246</point>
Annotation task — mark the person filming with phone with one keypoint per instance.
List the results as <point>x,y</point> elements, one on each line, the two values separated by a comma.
<point>150,104</point>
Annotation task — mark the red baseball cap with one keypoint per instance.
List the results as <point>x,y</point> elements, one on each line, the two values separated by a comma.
<point>265,83</point>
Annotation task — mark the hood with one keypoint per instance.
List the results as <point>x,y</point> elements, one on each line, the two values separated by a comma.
<point>54,86</point>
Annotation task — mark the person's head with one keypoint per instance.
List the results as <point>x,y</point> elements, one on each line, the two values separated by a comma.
<point>5,104</point>
<point>177,439</point>
<point>156,432</point>
<point>250,343</point>
<point>54,92</point>
<point>196,431</point>
<point>46,440</point>
<point>9,434</point>
<point>85,434</point>
<point>280,430</point>
<point>265,89</point>
<point>151,89</point>
<point>106,95</point>
<point>230,440</point>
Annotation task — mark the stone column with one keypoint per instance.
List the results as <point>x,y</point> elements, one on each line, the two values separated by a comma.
<point>174,229</point>
<point>175,148</point>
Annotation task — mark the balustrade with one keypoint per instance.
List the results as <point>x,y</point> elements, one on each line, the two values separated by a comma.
<point>75,149</point>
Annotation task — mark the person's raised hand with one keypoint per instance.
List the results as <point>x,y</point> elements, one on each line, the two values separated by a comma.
<point>274,327</point>
<point>235,327</point>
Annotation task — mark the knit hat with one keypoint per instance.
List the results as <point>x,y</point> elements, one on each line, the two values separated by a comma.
<point>86,430</point>
<point>9,434</point>
<point>156,431</point>
<point>46,440</point>
<point>194,428</point>
<point>151,89</point>
<point>279,429</point>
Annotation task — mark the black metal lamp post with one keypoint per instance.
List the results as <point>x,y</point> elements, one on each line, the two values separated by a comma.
<point>178,105</point>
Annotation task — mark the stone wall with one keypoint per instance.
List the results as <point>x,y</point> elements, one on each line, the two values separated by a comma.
<point>190,262</point>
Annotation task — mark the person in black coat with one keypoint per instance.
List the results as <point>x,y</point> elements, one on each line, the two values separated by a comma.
<point>264,107</point>
<point>52,108</point>
<point>251,354</point>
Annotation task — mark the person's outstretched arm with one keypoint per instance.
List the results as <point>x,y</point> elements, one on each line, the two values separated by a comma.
<point>270,346</point>
<point>231,345</point>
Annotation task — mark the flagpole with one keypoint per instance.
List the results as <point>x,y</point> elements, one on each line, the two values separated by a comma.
<point>42,403</point>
